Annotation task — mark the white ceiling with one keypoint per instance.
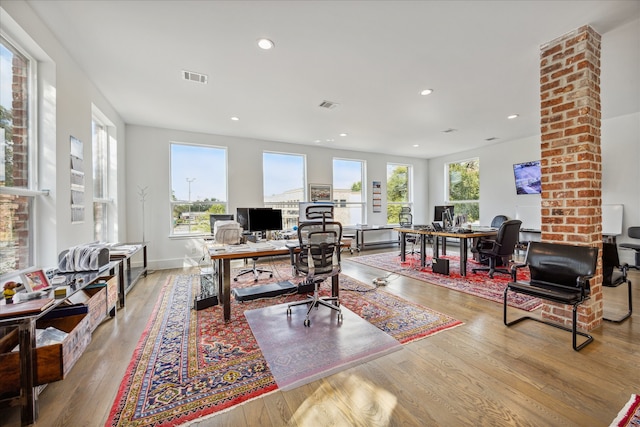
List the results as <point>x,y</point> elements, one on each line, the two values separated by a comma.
<point>371,57</point>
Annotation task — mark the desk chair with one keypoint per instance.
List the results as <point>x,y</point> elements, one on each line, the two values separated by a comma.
<point>614,274</point>
<point>405,219</point>
<point>634,233</point>
<point>499,250</point>
<point>318,259</point>
<point>496,222</point>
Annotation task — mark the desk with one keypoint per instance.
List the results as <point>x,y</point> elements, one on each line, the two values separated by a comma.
<point>361,229</point>
<point>26,326</point>
<point>128,276</point>
<point>464,245</point>
<point>223,259</point>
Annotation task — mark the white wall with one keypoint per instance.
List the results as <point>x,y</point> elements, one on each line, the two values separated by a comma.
<point>620,174</point>
<point>148,165</point>
<point>66,96</point>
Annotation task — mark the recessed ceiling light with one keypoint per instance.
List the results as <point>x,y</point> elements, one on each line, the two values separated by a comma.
<point>513,116</point>
<point>317,141</point>
<point>416,145</point>
<point>426,92</point>
<point>329,139</point>
<point>265,44</point>
<point>234,118</point>
<point>343,134</point>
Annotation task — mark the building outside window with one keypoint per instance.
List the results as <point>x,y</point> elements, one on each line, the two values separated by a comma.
<point>198,187</point>
<point>348,194</point>
<point>284,184</point>
<point>399,192</point>
<point>104,172</point>
<point>463,188</point>
<point>18,167</point>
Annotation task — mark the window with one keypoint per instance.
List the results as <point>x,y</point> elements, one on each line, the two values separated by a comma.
<point>104,169</point>
<point>463,188</point>
<point>198,187</point>
<point>398,190</point>
<point>284,184</point>
<point>17,158</point>
<point>348,176</point>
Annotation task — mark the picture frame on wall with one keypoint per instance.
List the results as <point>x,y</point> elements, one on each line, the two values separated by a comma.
<point>35,280</point>
<point>320,193</point>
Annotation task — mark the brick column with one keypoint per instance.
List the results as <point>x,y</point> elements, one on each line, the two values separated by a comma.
<point>571,159</point>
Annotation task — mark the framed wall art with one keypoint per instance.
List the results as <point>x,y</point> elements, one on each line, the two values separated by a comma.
<point>320,192</point>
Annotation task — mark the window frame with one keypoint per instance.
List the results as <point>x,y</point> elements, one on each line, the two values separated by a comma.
<point>107,199</point>
<point>456,203</point>
<point>399,204</point>
<point>290,208</point>
<point>173,204</point>
<point>363,194</point>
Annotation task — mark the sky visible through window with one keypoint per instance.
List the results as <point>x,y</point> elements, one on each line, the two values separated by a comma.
<point>280,171</point>
<point>346,173</point>
<point>205,167</point>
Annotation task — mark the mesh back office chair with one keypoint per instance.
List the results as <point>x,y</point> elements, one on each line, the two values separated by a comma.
<point>614,274</point>
<point>634,233</point>
<point>318,259</point>
<point>500,248</point>
<point>405,219</point>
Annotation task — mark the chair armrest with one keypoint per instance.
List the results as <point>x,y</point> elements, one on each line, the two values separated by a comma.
<point>582,282</point>
<point>514,271</point>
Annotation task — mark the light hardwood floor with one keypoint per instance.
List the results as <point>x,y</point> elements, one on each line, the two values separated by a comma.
<point>481,373</point>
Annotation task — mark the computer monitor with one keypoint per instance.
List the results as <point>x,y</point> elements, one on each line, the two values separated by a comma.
<point>219,217</point>
<point>440,210</point>
<point>259,219</point>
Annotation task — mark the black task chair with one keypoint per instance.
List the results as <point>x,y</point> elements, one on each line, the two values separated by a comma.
<point>500,249</point>
<point>614,274</point>
<point>634,233</point>
<point>318,260</point>
<point>496,222</point>
<point>405,219</point>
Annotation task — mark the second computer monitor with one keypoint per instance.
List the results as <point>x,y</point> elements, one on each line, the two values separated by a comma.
<point>439,213</point>
<point>259,219</point>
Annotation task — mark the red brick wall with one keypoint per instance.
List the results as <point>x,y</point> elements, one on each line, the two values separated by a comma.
<point>571,158</point>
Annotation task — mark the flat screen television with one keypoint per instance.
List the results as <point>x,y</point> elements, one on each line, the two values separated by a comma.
<point>528,177</point>
<point>438,212</point>
<point>259,219</point>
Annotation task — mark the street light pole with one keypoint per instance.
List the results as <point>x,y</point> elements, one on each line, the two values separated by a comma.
<point>189,181</point>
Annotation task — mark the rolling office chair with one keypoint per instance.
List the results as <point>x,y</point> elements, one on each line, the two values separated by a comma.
<point>405,219</point>
<point>496,222</point>
<point>634,233</point>
<point>318,259</point>
<point>501,248</point>
<point>614,274</point>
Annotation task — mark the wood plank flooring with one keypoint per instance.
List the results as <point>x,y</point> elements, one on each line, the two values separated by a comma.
<point>481,373</point>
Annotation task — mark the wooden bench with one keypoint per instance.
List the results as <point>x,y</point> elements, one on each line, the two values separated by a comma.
<point>559,273</point>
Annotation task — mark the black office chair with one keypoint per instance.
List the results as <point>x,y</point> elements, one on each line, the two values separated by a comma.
<point>500,249</point>
<point>318,259</point>
<point>405,219</point>
<point>614,274</point>
<point>496,222</point>
<point>634,233</point>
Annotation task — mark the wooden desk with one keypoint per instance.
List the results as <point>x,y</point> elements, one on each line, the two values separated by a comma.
<point>223,259</point>
<point>464,245</point>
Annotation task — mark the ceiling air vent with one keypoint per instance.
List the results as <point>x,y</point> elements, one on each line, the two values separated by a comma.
<point>328,105</point>
<point>194,77</point>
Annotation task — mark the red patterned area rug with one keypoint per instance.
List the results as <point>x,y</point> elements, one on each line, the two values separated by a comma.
<point>629,416</point>
<point>479,284</point>
<point>191,364</point>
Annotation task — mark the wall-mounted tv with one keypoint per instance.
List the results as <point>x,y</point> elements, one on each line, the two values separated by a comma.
<point>528,177</point>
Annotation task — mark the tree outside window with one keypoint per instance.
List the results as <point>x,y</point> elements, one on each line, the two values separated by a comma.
<point>398,190</point>
<point>463,181</point>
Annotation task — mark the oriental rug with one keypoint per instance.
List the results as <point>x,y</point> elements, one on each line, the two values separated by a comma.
<point>629,415</point>
<point>479,285</point>
<point>190,364</point>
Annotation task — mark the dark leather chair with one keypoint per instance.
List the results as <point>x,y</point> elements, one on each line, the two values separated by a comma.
<point>634,233</point>
<point>500,249</point>
<point>614,274</point>
<point>318,260</point>
<point>496,222</point>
